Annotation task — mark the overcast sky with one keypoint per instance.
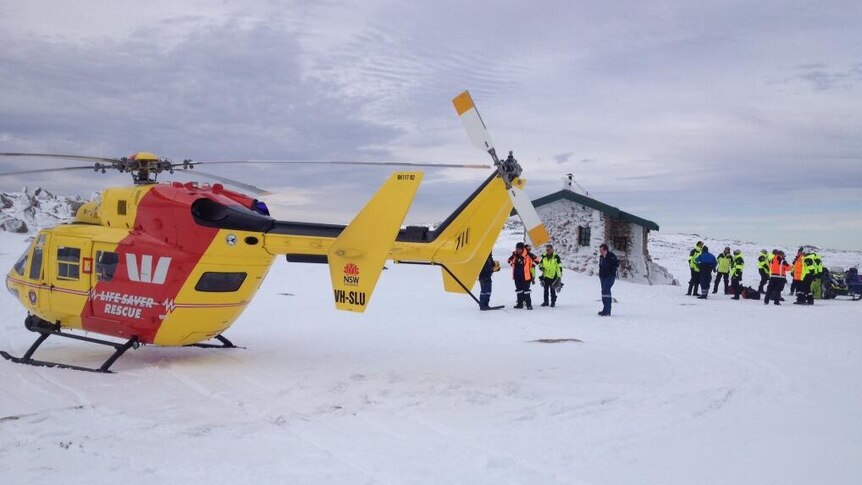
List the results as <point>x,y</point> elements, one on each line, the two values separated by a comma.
<point>731,119</point>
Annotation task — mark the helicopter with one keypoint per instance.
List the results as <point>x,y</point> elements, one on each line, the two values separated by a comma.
<point>175,264</point>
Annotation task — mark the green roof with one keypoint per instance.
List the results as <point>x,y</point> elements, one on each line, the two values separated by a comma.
<point>599,206</point>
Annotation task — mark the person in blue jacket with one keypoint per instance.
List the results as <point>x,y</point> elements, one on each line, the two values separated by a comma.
<point>707,262</point>
<point>608,264</point>
<point>485,283</point>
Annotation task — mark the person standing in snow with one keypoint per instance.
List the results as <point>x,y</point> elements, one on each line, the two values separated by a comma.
<point>777,278</point>
<point>736,273</point>
<point>725,259</point>
<point>535,261</point>
<point>608,264</point>
<point>695,269</point>
<point>552,271</point>
<point>521,272</point>
<point>763,269</point>
<point>797,271</point>
<point>809,271</point>
<point>706,262</point>
<point>485,282</point>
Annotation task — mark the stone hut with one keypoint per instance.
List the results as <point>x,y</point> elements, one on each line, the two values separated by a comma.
<point>578,224</point>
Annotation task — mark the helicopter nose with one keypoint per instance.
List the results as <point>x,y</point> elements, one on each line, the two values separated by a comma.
<point>11,288</point>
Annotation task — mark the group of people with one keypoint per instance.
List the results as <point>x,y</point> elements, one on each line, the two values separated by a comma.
<point>773,269</point>
<point>524,264</point>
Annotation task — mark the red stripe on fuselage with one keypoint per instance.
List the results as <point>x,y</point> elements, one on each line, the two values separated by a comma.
<point>164,228</point>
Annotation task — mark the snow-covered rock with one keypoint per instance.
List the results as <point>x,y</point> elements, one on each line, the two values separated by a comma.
<point>27,212</point>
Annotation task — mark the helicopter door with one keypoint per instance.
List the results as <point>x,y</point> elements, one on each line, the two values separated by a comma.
<point>69,272</point>
<point>105,263</point>
<point>38,294</point>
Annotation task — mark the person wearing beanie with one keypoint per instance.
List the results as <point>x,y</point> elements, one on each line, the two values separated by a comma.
<point>522,267</point>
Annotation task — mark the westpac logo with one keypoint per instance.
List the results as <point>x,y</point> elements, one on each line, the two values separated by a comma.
<point>143,273</point>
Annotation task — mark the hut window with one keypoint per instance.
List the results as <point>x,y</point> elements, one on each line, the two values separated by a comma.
<point>621,243</point>
<point>583,236</point>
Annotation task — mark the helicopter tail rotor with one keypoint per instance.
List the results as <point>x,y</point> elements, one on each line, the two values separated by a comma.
<point>509,169</point>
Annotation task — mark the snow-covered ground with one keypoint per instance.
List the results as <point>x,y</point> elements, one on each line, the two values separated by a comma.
<point>423,388</point>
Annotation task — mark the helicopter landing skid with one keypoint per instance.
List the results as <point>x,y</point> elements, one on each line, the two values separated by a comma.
<point>225,344</point>
<point>46,330</point>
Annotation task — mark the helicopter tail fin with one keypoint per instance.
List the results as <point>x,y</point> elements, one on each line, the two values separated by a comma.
<point>463,241</point>
<point>470,237</point>
<point>358,254</point>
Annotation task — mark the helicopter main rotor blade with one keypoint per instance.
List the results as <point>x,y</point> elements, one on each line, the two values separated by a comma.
<point>60,156</point>
<point>509,169</point>
<point>42,170</point>
<point>251,188</point>
<point>338,162</point>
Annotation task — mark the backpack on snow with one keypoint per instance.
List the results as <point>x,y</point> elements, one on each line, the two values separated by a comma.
<point>750,293</point>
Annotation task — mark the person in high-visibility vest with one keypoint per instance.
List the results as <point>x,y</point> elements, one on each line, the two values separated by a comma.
<point>736,273</point>
<point>797,271</point>
<point>817,282</point>
<point>695,269</point>
<point>521,272</point>
<point>552,271</point>
<point>809,272</point>
<point>778,268</point>
<point>725,260</point>
<point>763,269</point>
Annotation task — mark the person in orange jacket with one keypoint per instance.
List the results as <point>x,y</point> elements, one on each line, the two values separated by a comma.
<point>797,271</point>
<point>522,266</point>
<point>778,268</point>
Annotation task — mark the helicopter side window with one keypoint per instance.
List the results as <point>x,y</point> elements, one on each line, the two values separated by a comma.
<point>216,282</point>
<point>106,265</point>
<point>68,263</point>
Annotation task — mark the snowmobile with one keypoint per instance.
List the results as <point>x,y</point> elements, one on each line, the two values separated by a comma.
<point>836,282</point>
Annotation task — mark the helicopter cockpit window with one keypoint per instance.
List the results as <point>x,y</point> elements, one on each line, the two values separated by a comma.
<point>106,265</point>
<point>68,263</point>
<point>216,282</point>
<point>22,262</point>
<point>36,264</point>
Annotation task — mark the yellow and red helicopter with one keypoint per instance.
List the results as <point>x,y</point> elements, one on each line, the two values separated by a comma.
<point>175,264</point>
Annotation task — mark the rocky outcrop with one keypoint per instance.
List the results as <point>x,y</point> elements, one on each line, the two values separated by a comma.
<point>27,212</point>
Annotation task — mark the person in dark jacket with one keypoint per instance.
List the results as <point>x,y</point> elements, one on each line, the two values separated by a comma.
<point>485,283</point>
<point>608,264</point>
<point>706,262</point>
<point>725,261</point>
<point>522,266</point>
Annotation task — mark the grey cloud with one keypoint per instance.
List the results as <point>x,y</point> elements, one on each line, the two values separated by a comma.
<point>563,157</point>
<point>221,93</point>
<point>823,79</point>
